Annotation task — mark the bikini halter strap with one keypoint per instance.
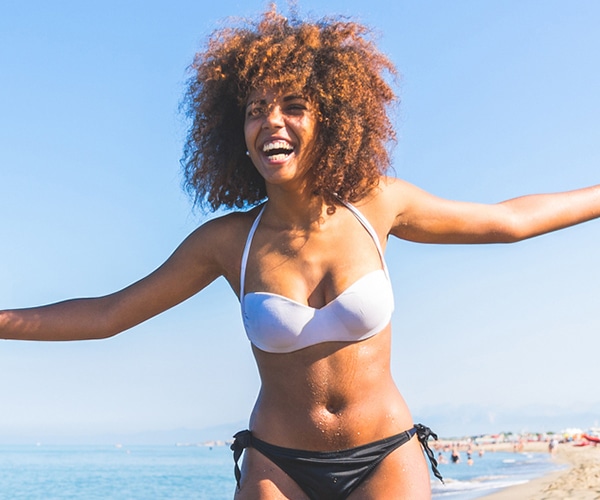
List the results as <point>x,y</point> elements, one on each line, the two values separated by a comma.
<point>247,252</point>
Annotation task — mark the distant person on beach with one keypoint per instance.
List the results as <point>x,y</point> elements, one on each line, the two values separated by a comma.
<point>290,131</point>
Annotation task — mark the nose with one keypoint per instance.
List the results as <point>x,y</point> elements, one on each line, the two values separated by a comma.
<point>274,117</point>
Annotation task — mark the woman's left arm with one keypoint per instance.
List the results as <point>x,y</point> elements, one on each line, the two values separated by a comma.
<point>425,218</point>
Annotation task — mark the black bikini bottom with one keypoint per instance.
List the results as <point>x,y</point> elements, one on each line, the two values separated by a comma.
<point>331,475</point>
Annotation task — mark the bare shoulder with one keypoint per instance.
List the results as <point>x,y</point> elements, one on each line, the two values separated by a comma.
<point>387,202</point>
<point>221,240</point>
<point>225,226</point>
<point>399,193</point>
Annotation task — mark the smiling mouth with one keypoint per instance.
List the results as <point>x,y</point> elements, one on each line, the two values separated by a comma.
<point>277,150</point>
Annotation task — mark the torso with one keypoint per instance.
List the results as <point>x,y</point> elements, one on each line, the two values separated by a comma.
<point>329,395</point>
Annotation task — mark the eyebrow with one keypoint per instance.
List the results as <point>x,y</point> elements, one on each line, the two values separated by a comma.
<point>255,101</point>
<point>287,98</point>
<point>293,97</point>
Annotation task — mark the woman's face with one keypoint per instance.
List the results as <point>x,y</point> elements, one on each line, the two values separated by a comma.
<point>280,131</point>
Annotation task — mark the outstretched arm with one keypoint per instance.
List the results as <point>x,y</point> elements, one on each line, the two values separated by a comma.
<point>190,268</point>
<point>425,218</point>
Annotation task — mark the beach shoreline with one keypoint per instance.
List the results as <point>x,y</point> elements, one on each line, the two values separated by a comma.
<point>579,480</point>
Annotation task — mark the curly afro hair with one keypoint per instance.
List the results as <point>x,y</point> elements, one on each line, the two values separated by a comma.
<point>332,62</point>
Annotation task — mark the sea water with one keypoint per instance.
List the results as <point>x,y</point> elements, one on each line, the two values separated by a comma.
<point>115,473</point>
<point>199,472</point>
<point>489,473</point>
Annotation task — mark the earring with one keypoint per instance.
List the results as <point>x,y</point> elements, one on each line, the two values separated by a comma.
<point>247,153</point>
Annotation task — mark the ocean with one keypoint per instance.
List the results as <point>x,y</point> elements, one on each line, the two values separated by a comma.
<point>489,473</point>
<point>198,472</point>
<point>116,473</point>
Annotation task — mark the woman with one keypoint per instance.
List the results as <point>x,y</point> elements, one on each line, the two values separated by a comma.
<point>290,117</point>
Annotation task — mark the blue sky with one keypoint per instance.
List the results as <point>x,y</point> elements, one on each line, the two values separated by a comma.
<point>498,99</point>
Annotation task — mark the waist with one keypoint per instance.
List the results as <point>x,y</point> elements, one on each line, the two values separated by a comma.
<point>321,427</point>
<point>330,400</point>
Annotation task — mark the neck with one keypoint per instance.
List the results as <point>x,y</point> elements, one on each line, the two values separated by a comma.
<point>295,210</point>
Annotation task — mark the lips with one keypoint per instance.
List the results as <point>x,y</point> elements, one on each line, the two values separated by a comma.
<point>277,150</point>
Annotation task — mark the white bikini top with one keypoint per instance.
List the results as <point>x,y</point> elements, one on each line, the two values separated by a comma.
<point>277,324</point>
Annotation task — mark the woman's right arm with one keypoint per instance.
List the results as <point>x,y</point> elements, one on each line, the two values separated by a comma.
<point>194,264</point>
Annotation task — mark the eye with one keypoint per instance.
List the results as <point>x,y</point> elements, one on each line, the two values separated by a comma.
<point>255,111</point>
<point>297,107</point>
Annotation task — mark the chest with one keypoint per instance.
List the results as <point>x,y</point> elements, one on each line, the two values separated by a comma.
<point>311,268</point>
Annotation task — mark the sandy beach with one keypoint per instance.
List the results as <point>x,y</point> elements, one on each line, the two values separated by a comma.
<point>580,481</point>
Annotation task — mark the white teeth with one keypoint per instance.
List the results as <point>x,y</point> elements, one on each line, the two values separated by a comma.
<point>279,157</point>
<point>269,146</point>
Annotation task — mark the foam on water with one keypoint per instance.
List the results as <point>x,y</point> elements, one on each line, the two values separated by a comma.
<point>492,471</point>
